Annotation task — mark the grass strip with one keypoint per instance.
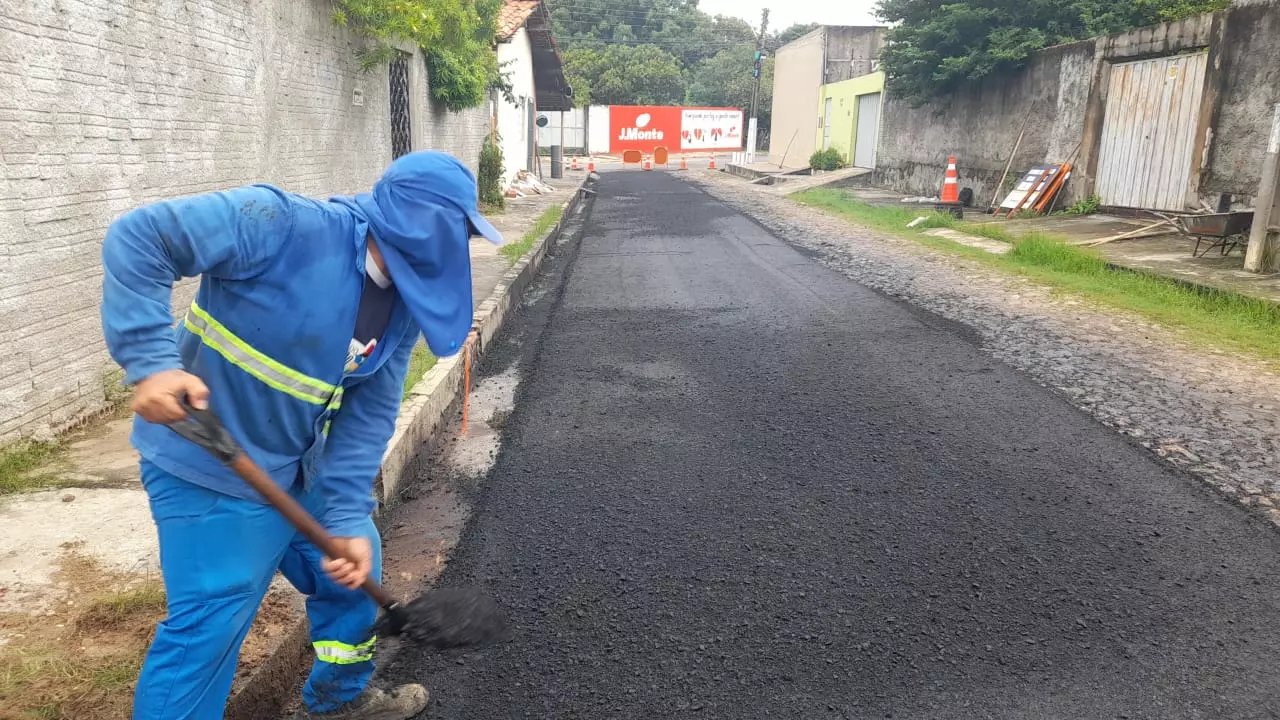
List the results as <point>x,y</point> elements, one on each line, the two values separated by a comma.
<point>1205,316</point>
<point>420,363</point>
<point>547,220</point>
<point>21,465</point>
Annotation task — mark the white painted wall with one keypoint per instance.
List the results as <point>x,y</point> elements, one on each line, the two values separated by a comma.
<point>513,120</point>
<point>110,105</point>
<point>598,128</point>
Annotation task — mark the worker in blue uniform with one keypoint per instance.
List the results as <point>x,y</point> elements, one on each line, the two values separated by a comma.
<point>299,338</point>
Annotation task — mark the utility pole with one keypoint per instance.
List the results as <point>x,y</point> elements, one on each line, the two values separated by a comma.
<point>755,94</point>
<point>1259,258</point>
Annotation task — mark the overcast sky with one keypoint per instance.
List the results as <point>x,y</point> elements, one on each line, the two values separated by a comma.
<point>783,13</point>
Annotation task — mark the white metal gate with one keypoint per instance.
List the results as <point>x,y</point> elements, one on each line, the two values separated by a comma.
<point>1149,132</point>
<point>864,148</point>
<point>826,125</point>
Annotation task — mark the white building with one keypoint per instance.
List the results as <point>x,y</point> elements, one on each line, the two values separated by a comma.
<point>528,56</point>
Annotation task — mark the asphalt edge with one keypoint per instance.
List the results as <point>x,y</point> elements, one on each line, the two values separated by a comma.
<point>431,405</point>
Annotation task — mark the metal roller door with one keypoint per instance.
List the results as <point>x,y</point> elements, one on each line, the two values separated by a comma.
<point>864,148</point>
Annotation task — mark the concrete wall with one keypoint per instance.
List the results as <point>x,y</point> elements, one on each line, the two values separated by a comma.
<point>981,127</point>
<point>844,110</point>
<point>513,120</point>
<point>797,75</point>
<point>1063,91</point>
<point>1251,65</point>
<point>108,105</point>
<point>851,52</point>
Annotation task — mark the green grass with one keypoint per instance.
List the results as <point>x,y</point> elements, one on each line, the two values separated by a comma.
<point>516,250</point>
<point>119,609</point>
<point>1205,316</point>
<point>419,364</point>
<point>21,463</point>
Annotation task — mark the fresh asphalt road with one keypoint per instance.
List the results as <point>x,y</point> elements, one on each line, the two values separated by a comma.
<point>739,485</point>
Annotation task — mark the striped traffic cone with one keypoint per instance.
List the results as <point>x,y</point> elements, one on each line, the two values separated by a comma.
<point>648,163</point>
<point>712,164</point>
<point>574,167</point>
<point>951,183</point>
<point>591,163</point>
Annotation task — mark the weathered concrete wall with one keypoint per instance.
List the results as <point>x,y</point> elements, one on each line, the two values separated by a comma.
<point>1064,92</point>
<point>851,52</point>
<point>797,75</point>
<point>1251,64</point>
<point>108,105</point>
<point>981,127</point>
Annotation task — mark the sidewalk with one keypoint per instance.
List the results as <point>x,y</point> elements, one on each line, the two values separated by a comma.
<point>1167,255</point>
<point>79,566</point>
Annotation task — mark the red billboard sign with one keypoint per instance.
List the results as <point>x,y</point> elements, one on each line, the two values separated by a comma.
<point>679,129</point>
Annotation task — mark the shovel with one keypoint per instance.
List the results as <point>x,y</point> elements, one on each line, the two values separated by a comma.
<point>441,618</point>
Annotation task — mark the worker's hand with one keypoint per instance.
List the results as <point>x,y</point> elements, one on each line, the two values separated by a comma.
<point>156,398</point>
<point>353,568</point>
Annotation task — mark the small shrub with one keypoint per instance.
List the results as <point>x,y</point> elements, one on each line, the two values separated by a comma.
<point>1087,206</point>
<point>490,180</point>
<point>828,159</point>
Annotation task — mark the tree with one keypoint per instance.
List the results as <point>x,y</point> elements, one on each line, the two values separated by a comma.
<point>725,80</point>
<point>602,37</point>
<point>938,46</point>
<point>795,32</point>
<point>627,75</point>
<point>456,37</point>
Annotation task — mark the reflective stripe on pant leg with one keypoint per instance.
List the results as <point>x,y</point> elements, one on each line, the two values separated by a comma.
<point>340,653</point>
<point>341,619</point>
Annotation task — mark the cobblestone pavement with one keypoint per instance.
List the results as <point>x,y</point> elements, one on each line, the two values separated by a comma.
<point>1204,410</point>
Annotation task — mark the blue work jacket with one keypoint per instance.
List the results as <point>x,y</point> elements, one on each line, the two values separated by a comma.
<point>269,332</point>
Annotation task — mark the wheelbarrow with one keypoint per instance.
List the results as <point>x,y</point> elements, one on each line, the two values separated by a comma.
<point>1225,231</point>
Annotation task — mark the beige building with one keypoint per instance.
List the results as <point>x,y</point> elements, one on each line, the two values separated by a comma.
<point>830,54</point>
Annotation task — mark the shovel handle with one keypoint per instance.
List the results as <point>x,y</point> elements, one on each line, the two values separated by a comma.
<point>203,428</point>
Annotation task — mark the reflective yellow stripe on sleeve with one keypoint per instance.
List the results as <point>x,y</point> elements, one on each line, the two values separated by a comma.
<point>244,356</point>
<point>338,653</point>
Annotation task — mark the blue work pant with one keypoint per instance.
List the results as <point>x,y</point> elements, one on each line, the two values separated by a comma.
<point>218,555</point>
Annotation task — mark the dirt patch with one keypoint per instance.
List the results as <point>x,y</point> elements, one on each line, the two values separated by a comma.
<point>79,658</point>
<point>277,615</point>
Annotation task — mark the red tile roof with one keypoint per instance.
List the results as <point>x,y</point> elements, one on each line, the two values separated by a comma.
<point>513,15</point>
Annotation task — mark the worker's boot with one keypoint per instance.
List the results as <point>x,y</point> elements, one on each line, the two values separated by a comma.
<point>399,703</point>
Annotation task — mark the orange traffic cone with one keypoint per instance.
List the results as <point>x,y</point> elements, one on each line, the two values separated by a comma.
<point>951,183</point>
<point>591,163</point>
<point>648,163</point>
<point>712,164</point>
<point>684,163</point>
<point>574,167</point>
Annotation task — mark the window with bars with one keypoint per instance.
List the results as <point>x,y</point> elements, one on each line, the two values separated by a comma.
<point>401,137</point>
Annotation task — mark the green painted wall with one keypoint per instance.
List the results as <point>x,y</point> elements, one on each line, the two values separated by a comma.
<point>844,110</point>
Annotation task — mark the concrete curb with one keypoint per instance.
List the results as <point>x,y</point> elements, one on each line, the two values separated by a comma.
<point>424,414</point>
